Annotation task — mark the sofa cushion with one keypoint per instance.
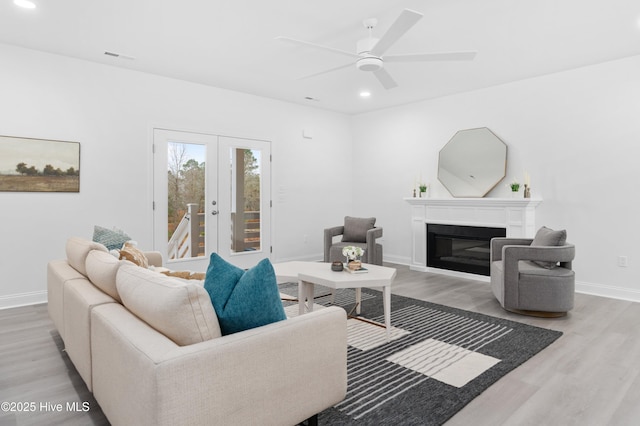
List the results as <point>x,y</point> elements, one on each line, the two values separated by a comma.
<point>112,239</point>
<point>355,228</point>
<point>77,250</point>
<point>243,299</point>
<point>102,268</point>
<point>548,237</point>
<point>181,311</point>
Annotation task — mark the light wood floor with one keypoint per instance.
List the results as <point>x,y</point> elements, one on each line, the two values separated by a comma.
<point>590,376</point>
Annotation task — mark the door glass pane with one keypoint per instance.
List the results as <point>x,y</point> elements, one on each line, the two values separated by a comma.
<point>186,176</point>
<point>245,200</point>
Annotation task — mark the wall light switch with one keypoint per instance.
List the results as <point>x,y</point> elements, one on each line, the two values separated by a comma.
<point>306,133</point>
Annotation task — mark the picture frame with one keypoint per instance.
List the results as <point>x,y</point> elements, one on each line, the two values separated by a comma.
<point>39,165</point>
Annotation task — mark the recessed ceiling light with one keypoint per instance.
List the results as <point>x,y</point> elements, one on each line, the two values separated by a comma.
<point>365,94</point>
<point>25,4</point>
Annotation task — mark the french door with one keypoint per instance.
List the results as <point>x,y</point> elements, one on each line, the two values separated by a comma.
<point>211,194</point>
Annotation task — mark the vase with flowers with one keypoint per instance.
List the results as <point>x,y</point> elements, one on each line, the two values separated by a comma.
<point>353,255</point>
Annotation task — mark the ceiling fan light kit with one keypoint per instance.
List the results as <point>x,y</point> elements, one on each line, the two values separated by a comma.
<point>369,63</point>
<point>370,51</point>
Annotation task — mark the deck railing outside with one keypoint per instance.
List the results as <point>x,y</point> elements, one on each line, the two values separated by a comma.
<point>187,240</point>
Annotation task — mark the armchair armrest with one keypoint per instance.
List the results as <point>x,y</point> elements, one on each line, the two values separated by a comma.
<point>512,254</point>
<point>333,231</point>
<point>498,242</point>
<point>329,233</point>
<point>372,234</point>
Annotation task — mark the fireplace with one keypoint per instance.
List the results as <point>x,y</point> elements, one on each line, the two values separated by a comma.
<point>461,248</point>
<point>516,215</point>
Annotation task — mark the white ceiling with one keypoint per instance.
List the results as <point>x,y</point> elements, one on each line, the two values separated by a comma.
<point>230,44</point>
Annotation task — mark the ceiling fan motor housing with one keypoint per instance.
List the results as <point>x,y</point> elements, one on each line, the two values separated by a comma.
<point>368,62</point>
<point>365,45</point>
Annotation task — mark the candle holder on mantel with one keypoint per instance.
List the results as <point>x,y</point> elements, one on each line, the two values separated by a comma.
<point>527,191</point>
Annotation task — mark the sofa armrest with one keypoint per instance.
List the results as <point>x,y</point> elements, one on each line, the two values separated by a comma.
<point>154,258</point>
<point>59,272</point>
<point>281,373</point>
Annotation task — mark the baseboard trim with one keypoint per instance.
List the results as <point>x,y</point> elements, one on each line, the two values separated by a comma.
<point>309,258</point>
<point>399,260</point>
<point>449,273</point>
<point>23,299</point>
<point>612,292</point>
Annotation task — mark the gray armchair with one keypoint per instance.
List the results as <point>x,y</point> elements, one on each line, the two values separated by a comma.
<point>359,232</point>
<point>533,276</point>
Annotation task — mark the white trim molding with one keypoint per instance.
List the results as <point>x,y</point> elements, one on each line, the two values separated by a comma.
<point>612,292</point>
<point>23,299</point>
<point>516,215</point>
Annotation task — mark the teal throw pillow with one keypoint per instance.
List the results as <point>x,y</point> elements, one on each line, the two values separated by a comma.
<point>111,239</point>
<point>243,299</point>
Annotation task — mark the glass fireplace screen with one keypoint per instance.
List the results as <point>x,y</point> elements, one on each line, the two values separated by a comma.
<point>461,248</point>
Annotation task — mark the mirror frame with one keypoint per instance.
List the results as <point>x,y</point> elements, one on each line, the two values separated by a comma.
<point>472,163</point>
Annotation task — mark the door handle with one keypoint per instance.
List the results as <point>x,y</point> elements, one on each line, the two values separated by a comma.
<point>214,212</point>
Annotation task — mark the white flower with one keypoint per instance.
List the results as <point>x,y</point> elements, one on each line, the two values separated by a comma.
<point>352,252</point>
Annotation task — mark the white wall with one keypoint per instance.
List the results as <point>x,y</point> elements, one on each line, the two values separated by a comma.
<point>110,111</point>
<point>577,133</point>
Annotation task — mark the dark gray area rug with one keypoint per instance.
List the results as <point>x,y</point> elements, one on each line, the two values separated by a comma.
<point>438,360</point>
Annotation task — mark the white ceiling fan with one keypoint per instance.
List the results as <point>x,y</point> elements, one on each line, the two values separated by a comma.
<point>370,51</point>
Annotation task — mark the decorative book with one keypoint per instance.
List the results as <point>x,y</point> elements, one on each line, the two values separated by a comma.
<point>360,270</point>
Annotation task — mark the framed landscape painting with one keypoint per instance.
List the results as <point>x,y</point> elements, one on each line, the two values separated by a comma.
<point>39,165</point>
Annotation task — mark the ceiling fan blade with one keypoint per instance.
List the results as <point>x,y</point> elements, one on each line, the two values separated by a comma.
<point>385,79</point>
<point>317,46</point>
<point>441,56</point>
<point>325,71</point>
<point>405,21</point>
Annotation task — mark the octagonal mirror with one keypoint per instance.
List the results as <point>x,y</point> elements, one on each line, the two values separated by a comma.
<point>472,163</point>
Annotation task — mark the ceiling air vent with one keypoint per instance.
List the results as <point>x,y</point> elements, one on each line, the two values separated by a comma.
<point>118,55</point>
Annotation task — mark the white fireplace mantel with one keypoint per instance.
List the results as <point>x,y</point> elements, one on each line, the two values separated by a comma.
<point>516,215</point>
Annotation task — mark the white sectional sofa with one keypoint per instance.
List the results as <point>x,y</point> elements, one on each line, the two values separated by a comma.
<point>149,348</point>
